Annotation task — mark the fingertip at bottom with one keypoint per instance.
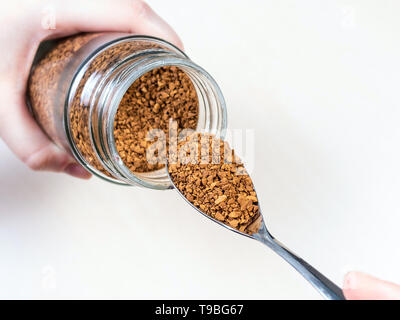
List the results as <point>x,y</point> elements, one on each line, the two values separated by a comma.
<point>350,280</point>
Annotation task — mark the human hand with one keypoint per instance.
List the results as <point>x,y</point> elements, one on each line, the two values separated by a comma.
<point>25,24</point>
<point>360,286</point>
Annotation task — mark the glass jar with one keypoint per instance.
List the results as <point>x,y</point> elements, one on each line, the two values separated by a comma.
<point>75,88</point>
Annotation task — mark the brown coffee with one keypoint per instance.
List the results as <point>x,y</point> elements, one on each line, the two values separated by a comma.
<point>209,174</point>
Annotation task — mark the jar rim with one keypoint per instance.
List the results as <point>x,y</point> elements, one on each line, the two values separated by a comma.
<point>158,58</point>
<point>117,38</point>
<point>147,66</point>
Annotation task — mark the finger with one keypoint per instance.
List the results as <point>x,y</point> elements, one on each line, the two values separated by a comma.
<point>24,137</point>
<point>360,286</point>
<point>133,16</point>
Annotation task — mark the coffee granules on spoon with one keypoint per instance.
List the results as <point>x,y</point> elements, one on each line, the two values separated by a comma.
<point>207,172</point>
<point>152,101</point>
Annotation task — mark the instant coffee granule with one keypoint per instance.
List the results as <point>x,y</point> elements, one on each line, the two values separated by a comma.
<point>208,173</point>
<point>159,96</point>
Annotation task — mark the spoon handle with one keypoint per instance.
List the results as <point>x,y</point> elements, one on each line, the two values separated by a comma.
<point>325,287</point>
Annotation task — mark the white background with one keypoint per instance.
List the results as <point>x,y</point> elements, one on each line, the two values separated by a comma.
<point>318,81</point>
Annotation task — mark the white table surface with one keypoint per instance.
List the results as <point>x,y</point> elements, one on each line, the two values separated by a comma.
<point>318,82</point>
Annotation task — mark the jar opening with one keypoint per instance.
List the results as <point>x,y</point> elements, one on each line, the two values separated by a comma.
<point>211,114</point>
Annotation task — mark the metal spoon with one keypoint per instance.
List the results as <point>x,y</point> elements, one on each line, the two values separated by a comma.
<point>322,284</point>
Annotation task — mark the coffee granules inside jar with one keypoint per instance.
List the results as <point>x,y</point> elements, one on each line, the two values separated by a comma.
<point>48,83</point>
<point>79,113</point>
<point>152,101</point>
<point>53,73</point>
<point>207,172</point>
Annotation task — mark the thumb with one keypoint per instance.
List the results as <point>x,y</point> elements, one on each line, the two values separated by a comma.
<point>132,16</point>
<point>361,286</point>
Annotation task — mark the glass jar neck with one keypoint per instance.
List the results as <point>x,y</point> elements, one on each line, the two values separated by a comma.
<point>107,97</point>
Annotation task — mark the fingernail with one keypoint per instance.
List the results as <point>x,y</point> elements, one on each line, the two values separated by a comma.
<point>350,281</point>
<point>163,29</point>
<point>179,44</point>
<point>77,171</point>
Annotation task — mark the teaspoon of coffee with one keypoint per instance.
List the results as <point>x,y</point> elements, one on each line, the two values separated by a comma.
<point>206,173</point>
